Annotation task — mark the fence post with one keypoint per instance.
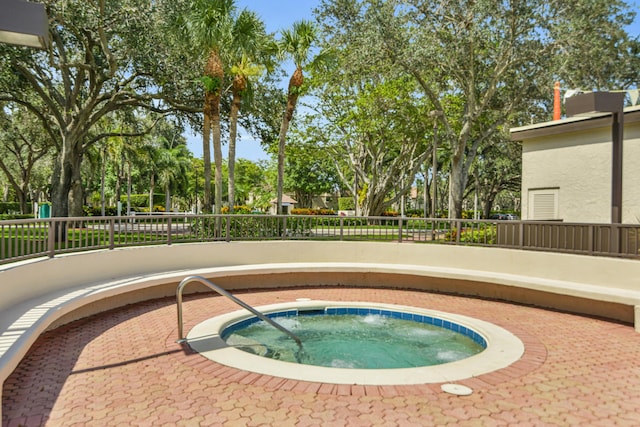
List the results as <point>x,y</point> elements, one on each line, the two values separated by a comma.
<point>228,228</point>
<point>458,231</point>
<point>521,235</point>
<point>112,233</point>
<point>341,228</point>
<point>51,238</point>
<point>433,229</point>
<point>169,230</point>
<point>400,224</point>
<point>615,239</point>
<point>284,227</point>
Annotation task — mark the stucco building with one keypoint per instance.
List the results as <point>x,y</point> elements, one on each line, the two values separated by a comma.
<point>567,169</point>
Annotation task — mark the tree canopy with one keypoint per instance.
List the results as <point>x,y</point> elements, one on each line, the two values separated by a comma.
<point>401,74</point>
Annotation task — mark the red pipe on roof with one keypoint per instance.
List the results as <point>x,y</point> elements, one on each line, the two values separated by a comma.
<point>557,108</point>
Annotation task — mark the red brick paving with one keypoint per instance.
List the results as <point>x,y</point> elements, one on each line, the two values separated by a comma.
<point>124,368</point>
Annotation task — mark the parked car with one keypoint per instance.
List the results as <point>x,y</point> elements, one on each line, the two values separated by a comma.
<point>504,217</point>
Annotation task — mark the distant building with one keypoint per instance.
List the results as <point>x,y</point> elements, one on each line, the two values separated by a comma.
<point>566,169</point>
<point>287,205</point>
<point>325,201</point>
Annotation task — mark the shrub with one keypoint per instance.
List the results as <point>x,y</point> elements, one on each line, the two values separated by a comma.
<point>250,227</point>
<point>9,207</point>
<point>414,213</point>
<point>142,200</point>
<point>7,217</point>
<point>97,210</point>
<point>237,209</point>
<point>346,204</point>
<point>484,236</point>
<point>309,211</point>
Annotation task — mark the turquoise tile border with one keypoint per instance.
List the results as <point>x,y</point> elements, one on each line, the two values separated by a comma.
<point>340,311</point>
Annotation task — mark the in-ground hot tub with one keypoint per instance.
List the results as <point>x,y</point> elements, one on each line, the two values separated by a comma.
<point>501,348</point>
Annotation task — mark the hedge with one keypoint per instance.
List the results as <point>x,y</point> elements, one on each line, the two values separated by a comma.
<point>9,207</point>
<point>308,211</point>
<point>142,200</point>
<point>346,204</point>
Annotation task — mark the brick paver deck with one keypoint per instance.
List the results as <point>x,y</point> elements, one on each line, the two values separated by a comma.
<point>124,368</point>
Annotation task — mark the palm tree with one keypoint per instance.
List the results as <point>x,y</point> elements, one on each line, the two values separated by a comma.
<point>172,166</point>
<point>149,154</point>
<point>209,26</point>
<point>296,44</point>
<point>249,42</point>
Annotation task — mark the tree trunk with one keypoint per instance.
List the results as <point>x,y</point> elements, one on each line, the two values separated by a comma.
<point>119,178</point>
<point>295,83</point>
<point>233,132</point>
<point>375,203</point>
<point>66,180</point>
<point>281,152</point>
<point>22,200</point>
<point>217,153</point>
<point>20,188</point>
<point>128,188</point>
<point>167,199</point>
<point>206,155</point>
<point>214,70</point>
<point>487,205</point>
<point>103,172</point>
<point>457,184</point>
<point>291,106</point>
<point>76,191</point>
<point>152,186</point>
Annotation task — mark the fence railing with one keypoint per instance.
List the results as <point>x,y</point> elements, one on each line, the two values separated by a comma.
<point>25,239</point>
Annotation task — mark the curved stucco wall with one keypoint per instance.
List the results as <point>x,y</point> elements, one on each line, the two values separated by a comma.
<point>20,283</point>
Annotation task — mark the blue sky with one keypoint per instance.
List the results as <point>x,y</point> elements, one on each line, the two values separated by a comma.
<point>280,14</point>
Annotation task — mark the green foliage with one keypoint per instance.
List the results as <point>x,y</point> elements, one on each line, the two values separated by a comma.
<point>298,42</point>
<point>7,217</point>
<point>211,84</point>
<point>299,226</point>
<point>594,31</point>
<point>309,170</point>
<point>486,65</point>
<point>414,213</point>
<point>309,211</point>
<point>142,200</point>
<point>484,236</point>
<point>97,211</point>
<point>104,65</point>
<point>346,204</point>
<point>9,208</point>
<point>240,226</point>
<point>372,130</point>
<point>238,210</point>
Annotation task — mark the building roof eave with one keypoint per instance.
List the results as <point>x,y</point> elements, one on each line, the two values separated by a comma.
<point>570,124</point>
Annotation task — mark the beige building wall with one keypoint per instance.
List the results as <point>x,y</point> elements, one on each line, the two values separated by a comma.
<point>566,169</point>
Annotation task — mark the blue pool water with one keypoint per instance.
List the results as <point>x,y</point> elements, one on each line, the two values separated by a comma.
<point>357,338</point>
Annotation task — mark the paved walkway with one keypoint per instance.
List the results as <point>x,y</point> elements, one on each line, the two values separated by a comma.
<point>124,368</point>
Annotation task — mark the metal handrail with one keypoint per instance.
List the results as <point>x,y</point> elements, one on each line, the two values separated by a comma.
<point>224,293</point>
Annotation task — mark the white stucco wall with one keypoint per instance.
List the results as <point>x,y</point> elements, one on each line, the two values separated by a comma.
<point>578,164</point>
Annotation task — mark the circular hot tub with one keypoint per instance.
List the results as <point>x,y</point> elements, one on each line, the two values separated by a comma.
<point>499,347</point>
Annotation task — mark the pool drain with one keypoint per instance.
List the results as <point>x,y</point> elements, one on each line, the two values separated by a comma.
<point>457,389</point>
